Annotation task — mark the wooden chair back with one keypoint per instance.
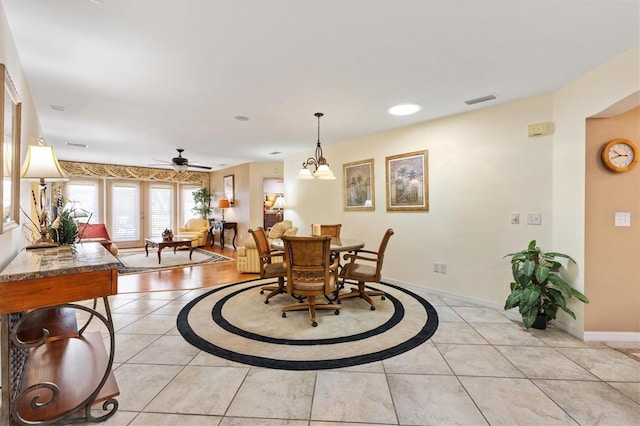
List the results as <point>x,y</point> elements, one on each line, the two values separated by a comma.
<point>262,242</point>
<point>330,230</point>
<point>310,269</point>
<point>381,250</point>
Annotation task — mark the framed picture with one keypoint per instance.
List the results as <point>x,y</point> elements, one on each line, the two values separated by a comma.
<point>408,182</point>
<point>359,188</point>
<point>229,189</point>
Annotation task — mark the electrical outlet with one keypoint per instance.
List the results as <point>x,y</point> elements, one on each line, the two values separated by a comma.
<point>534,219</point>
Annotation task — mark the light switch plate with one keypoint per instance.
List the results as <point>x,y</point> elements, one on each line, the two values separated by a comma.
<point>622,219</point>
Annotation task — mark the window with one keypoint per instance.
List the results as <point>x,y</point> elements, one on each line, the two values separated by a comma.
<point>125,212</point>
<point>187,203</point>
<point>161,198</point>
<point>85,197</point>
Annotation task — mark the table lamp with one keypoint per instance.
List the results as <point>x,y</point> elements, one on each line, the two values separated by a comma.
<point>279,205</point>
<point>42,165</point>
<point>223,204</point>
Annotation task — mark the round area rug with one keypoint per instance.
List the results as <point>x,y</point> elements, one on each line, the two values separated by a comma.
<point>234,323</point>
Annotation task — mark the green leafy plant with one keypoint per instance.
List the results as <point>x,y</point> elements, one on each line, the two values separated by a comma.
<point>538,287</point>
<point>64,229</point>
<point>202,199</point>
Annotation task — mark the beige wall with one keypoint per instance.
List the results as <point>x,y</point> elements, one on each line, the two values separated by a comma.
<point>12,240</point>
<point>482,168</point>
<point>612,278</point>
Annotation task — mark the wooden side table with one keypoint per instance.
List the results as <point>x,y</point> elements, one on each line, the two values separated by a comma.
<point>216,224</point>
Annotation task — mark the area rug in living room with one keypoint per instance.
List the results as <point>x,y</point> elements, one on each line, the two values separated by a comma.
<point>138,261</point>
<point>234,323</point>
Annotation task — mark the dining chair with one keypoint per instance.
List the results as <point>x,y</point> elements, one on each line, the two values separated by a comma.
<point>330,230</point>
<point>269,268</point>
<point>311,273</point>
<point>364,266</point>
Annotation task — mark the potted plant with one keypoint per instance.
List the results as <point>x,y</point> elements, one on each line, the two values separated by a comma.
<point>202,199</point>
<point>539,289</point>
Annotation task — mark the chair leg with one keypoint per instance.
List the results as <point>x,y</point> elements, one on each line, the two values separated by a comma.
<point>311,307</point>
<point>273,290</point>
<point>363,294</point>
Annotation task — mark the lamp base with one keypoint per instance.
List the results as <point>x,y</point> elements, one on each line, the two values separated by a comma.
<point>278,216</point>
<point>42,243</point>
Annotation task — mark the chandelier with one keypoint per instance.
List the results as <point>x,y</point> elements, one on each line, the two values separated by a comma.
<point>320,164</point>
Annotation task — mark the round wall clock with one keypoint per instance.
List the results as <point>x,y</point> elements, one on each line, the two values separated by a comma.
<point>620,155</point>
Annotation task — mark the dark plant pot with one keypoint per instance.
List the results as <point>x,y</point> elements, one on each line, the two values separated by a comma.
<point>540,323</point>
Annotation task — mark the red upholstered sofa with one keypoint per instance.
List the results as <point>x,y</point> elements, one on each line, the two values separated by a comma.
<point>97,232</point>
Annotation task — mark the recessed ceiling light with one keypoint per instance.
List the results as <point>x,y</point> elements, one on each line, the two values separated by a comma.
<point>404,109</point>
<point>241,118</point>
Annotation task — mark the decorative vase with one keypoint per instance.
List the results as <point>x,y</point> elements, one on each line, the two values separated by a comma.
<point>540,323</point>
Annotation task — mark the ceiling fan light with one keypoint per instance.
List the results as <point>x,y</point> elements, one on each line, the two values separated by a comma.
<point>180,167</point>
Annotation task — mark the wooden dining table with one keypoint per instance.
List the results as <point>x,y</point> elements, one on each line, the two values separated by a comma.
<point>338,244</point>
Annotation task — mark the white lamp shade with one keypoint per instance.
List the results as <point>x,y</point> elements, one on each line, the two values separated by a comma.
<point>324,172</point>
<point>41,163</point>
<point>279,204</point>
<point>304,174</point>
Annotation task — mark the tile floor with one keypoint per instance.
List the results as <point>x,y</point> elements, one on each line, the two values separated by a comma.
<point>479,368</point>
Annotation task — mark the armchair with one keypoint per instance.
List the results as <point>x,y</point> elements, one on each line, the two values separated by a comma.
<point>269,268</point>
<point>248,257</point>
<point>365,266</point>
<point>196,230</point>
<point>311,272</point>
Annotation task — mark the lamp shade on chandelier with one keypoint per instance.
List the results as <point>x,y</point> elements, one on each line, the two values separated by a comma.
<point>320,164</point>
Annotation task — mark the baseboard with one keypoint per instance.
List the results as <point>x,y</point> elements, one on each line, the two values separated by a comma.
<point>611,336</point>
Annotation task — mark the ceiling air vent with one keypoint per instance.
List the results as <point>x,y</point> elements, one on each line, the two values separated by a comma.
<point>76,145</point>
<point>478,100</point>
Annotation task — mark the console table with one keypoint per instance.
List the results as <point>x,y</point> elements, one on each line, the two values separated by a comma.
<point>43,352</point>
<point>216,224</point>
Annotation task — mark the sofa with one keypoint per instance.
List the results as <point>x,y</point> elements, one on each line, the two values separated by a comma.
<point>248,259</point>
<point>196,229</point>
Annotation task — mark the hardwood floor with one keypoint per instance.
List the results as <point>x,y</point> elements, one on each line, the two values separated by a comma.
<point>186,278</point>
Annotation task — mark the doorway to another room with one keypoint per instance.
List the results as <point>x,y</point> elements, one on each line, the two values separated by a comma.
<point>273,202</point>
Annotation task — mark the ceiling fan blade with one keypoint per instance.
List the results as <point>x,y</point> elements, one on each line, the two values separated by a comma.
<point>200,167</point>
<point>162,161</point>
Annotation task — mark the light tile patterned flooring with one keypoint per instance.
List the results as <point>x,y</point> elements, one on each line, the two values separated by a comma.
<point>479,368</point>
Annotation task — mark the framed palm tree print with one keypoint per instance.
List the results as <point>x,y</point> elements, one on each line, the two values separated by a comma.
<point>359,193</point>
<point>408,182</point>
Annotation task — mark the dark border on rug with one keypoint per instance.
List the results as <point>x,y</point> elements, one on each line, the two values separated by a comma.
<point>422,336</point>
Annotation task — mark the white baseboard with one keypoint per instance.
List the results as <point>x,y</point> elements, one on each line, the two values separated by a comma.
<point>611,336</point>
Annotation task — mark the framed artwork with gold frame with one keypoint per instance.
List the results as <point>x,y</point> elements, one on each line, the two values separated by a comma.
<point>229,188</point>
<point>359,186</point>
<point>407,181</point>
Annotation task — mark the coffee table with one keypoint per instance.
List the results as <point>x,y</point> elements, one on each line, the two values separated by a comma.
<point>161,244</point>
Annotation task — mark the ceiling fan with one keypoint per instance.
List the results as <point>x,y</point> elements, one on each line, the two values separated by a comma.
<point>181,164</point>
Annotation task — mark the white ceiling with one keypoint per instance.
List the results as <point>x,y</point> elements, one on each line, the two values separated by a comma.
<point>140,78</point>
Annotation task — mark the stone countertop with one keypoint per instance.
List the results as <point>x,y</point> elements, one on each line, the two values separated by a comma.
<point>56,261</point>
